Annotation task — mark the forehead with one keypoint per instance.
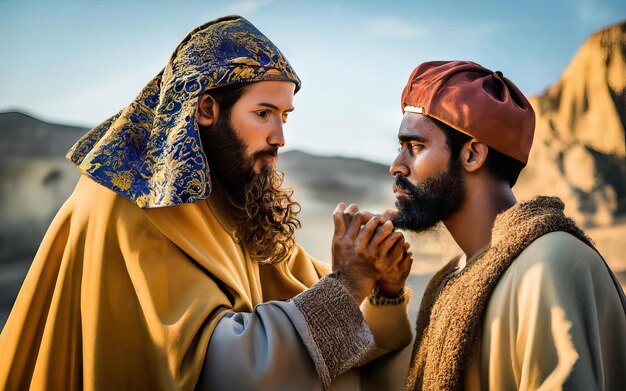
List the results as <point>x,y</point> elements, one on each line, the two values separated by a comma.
<point>419,126</point>
<point>277,93</point>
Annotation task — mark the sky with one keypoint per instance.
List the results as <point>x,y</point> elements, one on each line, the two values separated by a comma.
<point>79,62</point>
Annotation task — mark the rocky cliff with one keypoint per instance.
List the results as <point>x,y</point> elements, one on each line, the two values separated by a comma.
<point>579,151</point>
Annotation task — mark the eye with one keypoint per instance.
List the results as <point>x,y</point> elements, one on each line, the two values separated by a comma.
<point>262,113</point>
<point>416,146</point>
<point>285,116</point>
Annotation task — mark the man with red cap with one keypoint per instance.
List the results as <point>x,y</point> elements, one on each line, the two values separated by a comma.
<point>529,303</point>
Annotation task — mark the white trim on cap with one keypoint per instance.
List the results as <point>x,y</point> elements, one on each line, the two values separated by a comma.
<point>413,109</point>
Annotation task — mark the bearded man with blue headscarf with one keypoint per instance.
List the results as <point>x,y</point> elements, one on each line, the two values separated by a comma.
<point>173,264</point>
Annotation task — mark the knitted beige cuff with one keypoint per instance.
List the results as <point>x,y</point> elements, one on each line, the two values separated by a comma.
<point>337,337</point>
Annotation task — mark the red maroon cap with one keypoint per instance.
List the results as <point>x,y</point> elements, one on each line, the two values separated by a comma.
<point>473,100</point>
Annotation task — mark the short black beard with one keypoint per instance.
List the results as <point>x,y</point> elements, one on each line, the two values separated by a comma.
<point>430,202</point>
<point>264,213</point>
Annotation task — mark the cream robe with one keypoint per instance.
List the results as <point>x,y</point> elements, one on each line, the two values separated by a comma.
<point>120,297</point>
<point>554,321</point>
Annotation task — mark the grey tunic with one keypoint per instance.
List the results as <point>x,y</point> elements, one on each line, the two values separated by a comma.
<point>312,342</point>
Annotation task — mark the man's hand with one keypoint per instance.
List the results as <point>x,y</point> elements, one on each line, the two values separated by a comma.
<point>396,266</point>
<point>366,254</point>
<point>393,279</point>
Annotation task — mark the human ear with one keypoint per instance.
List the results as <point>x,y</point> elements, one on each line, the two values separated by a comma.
<point>208,110</point>
<point>473,155</point>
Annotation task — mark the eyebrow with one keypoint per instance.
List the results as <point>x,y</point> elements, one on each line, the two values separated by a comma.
<point>404,138</point>
<point>271,106</point>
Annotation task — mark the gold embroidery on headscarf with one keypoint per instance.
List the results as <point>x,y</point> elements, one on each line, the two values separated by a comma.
<point>150,152</point>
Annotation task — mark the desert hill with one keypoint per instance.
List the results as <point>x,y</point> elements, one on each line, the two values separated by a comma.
<point>22,134</point>
<point>579,151</point>
<point>35,179</point>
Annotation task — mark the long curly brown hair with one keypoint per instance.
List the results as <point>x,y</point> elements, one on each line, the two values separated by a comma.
<point>268,223</point>
<point>264,213</point>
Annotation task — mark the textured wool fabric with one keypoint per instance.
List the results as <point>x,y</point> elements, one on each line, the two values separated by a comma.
<point>150,151</point>
<point>454,303</point>
<point>329,311</point>
<point>475,101</point>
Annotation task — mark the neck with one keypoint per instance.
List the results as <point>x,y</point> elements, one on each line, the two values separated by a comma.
<point>471,225</point>
<point>224,201</point>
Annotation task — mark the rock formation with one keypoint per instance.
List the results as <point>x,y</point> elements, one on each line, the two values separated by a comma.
<point>579,151</point>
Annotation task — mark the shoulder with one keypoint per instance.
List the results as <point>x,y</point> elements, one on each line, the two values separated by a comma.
<point>555,271</point>
<point>558,266</point>
<point>558,252</point>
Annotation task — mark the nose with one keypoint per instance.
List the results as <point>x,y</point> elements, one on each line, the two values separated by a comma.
<point>276,136</point>
<point>398,167</point>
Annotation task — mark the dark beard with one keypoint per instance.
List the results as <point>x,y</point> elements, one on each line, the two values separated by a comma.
<point>264,213</point>
<point>430,202</point>
<point>226,154</point>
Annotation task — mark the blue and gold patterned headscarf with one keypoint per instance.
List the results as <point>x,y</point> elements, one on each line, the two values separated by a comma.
<point>150,151</point>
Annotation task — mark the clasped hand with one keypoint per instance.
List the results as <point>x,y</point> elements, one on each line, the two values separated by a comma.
<point>368,252</point>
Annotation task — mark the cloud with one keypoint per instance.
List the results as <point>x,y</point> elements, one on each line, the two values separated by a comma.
<point>597,13</point>
<point>388,26</point>
<point>104,97</point>
<point>246,6</point>
<point>588,13</point>
<point>336,9</point>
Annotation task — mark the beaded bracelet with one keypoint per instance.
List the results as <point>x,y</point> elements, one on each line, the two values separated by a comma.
<point>376,299</point>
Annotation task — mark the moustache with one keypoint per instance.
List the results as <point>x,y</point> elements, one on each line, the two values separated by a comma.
<point>271,151</point>
<point>401,182</point>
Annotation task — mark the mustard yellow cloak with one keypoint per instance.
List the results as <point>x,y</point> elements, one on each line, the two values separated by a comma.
<point>127,298</point>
